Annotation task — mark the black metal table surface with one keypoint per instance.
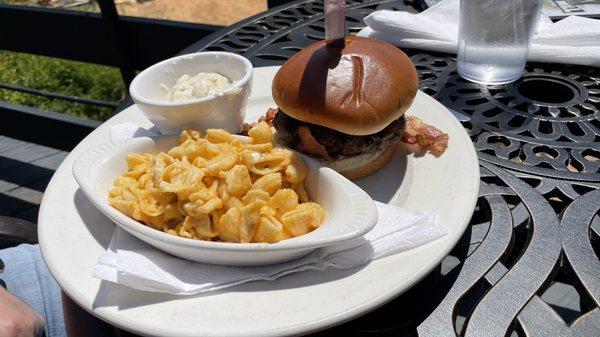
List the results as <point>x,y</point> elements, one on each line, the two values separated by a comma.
<point>528,265</point>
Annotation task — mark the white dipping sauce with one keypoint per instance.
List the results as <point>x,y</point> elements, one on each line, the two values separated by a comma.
<point>200,85</point>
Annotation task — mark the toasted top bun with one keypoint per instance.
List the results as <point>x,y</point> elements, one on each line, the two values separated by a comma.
<point>358,89</point>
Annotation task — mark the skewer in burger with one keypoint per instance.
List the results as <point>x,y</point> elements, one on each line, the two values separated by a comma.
<point>345,104</point>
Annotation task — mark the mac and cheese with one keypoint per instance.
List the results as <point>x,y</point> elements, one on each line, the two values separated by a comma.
<point>219,188</point>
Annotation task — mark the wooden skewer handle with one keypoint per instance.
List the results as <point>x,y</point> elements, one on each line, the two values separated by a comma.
<point>335,28</point>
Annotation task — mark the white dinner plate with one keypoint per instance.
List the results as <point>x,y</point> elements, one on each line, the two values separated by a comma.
<point>73,234</point>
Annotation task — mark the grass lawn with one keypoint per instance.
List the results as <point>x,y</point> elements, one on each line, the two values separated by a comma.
<point>60,76</point>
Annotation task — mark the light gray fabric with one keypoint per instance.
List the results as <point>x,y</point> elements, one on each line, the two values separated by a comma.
<point>28,279</point>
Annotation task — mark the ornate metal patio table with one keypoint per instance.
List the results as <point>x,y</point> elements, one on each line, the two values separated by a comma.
<point>529,263</point>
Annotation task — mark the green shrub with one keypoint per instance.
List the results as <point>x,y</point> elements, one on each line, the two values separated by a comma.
<point>60,76</point>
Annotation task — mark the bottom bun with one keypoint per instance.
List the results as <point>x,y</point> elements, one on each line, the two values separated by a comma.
<point>361,165</point>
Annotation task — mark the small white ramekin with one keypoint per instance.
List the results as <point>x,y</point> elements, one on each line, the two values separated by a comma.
<point>223,111</point>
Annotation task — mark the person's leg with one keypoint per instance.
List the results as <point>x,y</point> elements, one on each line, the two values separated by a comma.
<point>28,279</point>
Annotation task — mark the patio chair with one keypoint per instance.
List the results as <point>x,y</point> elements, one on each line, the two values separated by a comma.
<point>15,231</point>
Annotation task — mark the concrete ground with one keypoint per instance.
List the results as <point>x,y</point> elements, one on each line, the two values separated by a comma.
<point>217,12</point>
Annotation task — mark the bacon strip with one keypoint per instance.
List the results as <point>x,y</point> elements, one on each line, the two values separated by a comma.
<point>427,136</point>
<point>309,144</point>
<point>268,117</point>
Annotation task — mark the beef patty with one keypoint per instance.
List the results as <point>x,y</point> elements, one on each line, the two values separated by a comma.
<point>337,144</point>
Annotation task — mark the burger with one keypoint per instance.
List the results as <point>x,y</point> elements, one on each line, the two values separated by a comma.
<point>344,105</point>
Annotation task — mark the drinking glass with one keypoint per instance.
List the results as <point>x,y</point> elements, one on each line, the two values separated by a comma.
<point>494,38</point>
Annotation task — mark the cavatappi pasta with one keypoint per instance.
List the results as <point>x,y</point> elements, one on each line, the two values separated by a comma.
<point>219,188</point>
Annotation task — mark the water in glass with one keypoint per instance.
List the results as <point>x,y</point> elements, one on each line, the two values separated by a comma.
<point>494,37</point>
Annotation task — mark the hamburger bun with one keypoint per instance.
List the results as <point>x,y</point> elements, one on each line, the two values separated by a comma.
<point>361,165</point>
<point>358,89</point>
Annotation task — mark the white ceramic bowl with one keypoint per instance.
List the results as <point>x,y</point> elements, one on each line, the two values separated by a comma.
<point>224,111</point>
<point>352,213</point>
